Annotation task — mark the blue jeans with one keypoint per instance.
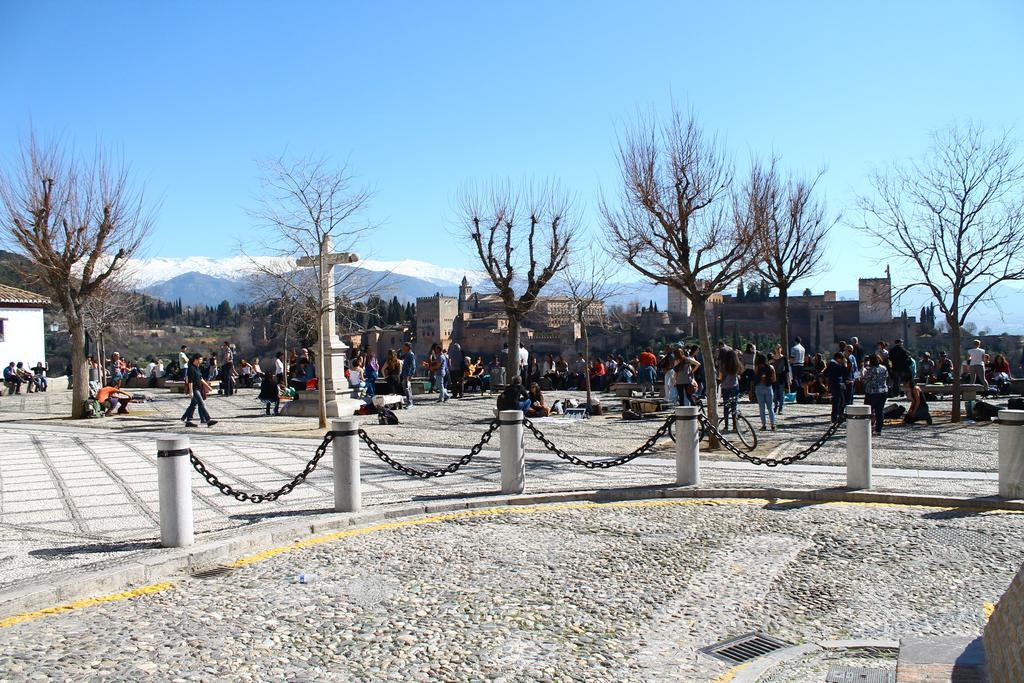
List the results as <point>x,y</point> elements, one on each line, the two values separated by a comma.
<point>780,396</point>
<point>197,402</point>
<point>370,383</point>
<point>442,392</point>
<point>765,402</point>
<point>729,398</point>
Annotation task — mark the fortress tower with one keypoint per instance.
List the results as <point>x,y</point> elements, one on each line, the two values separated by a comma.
<point>875,299</point>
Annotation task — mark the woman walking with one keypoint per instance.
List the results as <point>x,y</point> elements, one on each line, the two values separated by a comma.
<point>876,389</point>
<point>764,374</point>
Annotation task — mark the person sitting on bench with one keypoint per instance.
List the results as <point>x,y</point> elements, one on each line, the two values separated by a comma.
<point>918,404</point>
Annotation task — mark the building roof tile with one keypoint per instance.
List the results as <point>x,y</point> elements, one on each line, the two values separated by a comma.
<point>13,295</point>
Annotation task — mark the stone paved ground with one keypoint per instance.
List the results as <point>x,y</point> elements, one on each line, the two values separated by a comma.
<point>968,446</point>
<point>616,592</point>
<point>71,497</point>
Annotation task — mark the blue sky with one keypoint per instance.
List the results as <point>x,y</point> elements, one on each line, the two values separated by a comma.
<point>421,97</point>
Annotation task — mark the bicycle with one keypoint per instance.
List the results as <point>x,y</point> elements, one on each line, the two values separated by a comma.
<point>739,425</point>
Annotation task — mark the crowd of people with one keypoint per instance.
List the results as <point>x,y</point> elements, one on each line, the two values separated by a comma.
<point>770,378</point>
<point>17,376</point>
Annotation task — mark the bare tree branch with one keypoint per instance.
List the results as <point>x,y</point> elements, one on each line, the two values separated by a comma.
<point>955,221</point>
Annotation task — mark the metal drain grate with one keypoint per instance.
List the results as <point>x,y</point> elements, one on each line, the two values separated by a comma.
<point>853,674</point>
<point>212,572</point>
<point>744,648</point>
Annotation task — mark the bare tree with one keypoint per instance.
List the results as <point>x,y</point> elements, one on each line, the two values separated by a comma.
<point>678,221</point>
<point>78,221</point>
<point>523,238</point>
<point>955,219</point>
<point>309,208</point>
<point>589,280</point>
<point>792,229</point>
<point>111,311</point>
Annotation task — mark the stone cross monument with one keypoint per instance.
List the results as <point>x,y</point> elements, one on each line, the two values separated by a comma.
<point>340,402</point>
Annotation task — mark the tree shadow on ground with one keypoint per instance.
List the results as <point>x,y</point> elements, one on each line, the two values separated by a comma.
<point>93,548</point>
<point>253,517</point>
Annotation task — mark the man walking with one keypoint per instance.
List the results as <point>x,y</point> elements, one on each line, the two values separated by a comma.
<point>408,370</point>
<point>195,383</point>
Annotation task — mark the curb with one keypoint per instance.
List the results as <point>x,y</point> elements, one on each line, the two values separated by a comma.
<point>164,563</point>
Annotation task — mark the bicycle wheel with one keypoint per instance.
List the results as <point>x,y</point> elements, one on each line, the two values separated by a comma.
<point>745,431</point>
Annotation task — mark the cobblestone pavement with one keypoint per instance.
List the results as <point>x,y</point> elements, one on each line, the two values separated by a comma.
<point>967,446</point>
<point>582,592</point>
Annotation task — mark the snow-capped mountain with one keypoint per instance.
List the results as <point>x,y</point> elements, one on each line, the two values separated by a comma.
<point>205,280</point>
<point>145,273</point>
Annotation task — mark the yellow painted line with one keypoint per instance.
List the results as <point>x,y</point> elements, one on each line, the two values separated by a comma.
<point>86,602</point>
<point>730,674</point>
<point>463,514</point>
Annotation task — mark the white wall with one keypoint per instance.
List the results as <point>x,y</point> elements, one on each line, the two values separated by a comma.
<point>23,337</point>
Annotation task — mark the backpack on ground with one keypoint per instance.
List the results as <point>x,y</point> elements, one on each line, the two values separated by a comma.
<point>386,416</point>
<point>984,411</point>
<point>893,411</point>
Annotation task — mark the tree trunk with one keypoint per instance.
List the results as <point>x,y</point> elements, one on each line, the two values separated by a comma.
<point>955,355</point>
<point>326,327</point>
<point>698,312</point>
<point>512,365</point>
<point>321,382</point>
<point>784,327</point>
<point>79,369</point>
<point>586,354</point>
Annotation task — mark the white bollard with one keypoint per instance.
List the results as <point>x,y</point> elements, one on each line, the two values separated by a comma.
<point>513,456</point>
<point>1011,453</point>
<point>174,480</point>
<point>858,447</point>
<point>687,446</point>
<point>348,496</point>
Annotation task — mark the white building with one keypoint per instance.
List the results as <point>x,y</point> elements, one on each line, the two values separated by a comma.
<point>21,326</point>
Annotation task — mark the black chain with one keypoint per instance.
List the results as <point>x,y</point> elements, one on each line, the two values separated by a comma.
<point>430,474</point>
<point>647,447</point>
<point>228,490</point>
<point>771,462</point>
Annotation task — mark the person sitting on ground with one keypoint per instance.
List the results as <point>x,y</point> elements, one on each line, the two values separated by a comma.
<point>270,394</point>
<point>514,396</point>
<point>111,398</point>
<point>537,407</point>
<point>918,404</point>
<point>561,373</point>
